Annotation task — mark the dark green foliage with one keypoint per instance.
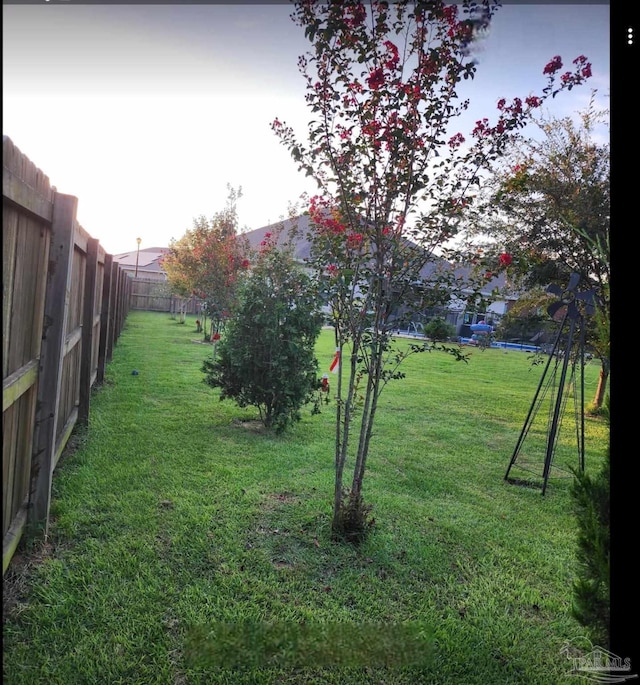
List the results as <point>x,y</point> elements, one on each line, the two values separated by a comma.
<point>529,326</point>
<point>438,329</point>
<point>266,356</point>
<point>591,498</point>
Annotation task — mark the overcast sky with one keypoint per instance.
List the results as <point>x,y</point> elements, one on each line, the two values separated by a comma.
<point>146,112</point>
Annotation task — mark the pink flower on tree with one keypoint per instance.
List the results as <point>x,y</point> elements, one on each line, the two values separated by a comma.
<point>392,62</point>
<point>450,13</point>
<point>482,127</point>
<point>456,141</point>
<point>585,72</point>
<point>354,241</point>
<point>358,15</point>
<point>554,65</point>
<point>376,79</point>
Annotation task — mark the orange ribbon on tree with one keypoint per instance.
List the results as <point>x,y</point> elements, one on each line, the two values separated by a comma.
<point>335,362</point>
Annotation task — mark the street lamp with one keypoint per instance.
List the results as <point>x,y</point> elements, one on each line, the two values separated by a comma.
<point>138,240</point>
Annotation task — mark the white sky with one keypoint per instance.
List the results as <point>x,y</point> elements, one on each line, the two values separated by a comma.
<point>146,112</point>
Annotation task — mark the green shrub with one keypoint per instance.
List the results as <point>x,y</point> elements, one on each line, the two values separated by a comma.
<point>591,496</point>
<point>438,329</point>
<point>266,357</point>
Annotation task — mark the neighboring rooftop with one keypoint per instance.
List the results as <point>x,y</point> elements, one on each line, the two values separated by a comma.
<point>148,261</point>
<point>284,230</point>
<point>302,249</point>
<point>146,256</point>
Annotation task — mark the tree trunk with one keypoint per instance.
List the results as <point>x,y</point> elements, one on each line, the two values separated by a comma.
<point>601,389</point>
<point>343,431</point>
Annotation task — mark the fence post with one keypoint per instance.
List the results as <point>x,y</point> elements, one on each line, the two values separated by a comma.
<point>126,298</point>
<point>122,290</point>
<point>91,271</point>
<point>52,356</point>
<point>104,317</point>
<point>113,310</point>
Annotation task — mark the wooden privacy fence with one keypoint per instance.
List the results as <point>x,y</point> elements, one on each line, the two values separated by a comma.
<point>64,305</point>
<point>155,296</point>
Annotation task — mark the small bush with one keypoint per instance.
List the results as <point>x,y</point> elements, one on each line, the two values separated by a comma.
<point>266,356</point>
<point>591,591</point>
<point>439,330</point>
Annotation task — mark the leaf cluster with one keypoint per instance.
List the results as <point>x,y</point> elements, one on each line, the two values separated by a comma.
<point>208,260</point>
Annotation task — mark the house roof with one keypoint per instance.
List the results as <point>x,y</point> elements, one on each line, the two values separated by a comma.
<point>286,229</point>
<point>148,259</point>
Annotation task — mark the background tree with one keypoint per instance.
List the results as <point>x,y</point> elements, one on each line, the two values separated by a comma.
<point>395,178</point>
<point>527,319</point>
<point>181,266</point>
<point>207,261</point>
<point>549,207</point>
<point>592,502</point>
<point>266,356</point>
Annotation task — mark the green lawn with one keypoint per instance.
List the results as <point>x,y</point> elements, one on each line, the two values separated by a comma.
<point>181,535</point>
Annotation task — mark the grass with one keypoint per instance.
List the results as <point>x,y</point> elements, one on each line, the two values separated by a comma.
<point>188,546</point>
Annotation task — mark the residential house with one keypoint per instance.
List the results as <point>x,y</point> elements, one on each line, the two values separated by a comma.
<point>144,263</point>
<point>456,313</point>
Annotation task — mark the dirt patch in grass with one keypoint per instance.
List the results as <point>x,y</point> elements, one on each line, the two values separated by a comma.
<point>17,578</point>
<point>282,497</point>
<point>253,425</point>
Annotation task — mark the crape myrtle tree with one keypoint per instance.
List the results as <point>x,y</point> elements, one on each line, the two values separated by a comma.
<point>181,267</point>
<point>266,356</point>
<point>208,260</point>
<point>395,178</point>
<point>548,205</point>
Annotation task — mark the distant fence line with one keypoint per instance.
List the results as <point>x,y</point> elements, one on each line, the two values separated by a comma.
<point>155,296</point>
<point>64,305</point>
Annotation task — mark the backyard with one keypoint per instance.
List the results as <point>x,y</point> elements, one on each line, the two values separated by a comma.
<point>177,518</point>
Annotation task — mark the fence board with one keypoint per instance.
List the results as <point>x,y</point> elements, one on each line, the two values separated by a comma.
<point>15,385</point>
<point>113,314</point>
<point>61,258</point>
<point>26,415</point>
<point>9,240</point>
<point>105,317</point>
<point>88,329</point>
<point>9,458</point>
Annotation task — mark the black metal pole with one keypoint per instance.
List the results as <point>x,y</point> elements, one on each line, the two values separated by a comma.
<point>525,428</point>
<point>138,240</point>
<point>556,414</point>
